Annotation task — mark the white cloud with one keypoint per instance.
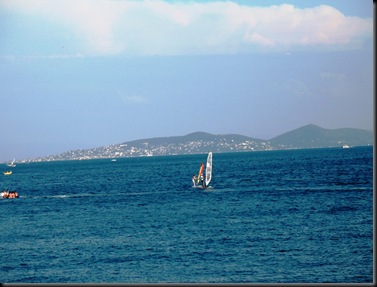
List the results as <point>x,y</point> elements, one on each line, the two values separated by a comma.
<point>134,99</point>
<point>60,56</point>
<point>332,76</point>
<point>105,27</point>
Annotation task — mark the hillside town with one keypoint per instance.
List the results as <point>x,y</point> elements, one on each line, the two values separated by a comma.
<point>148,148</point>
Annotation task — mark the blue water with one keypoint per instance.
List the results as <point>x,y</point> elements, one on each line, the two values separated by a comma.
<point>298,216</point>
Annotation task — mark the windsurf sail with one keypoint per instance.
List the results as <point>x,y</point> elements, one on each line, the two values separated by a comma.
<point>12,163</point>
<point>209,168</point>
<point>200,173</point>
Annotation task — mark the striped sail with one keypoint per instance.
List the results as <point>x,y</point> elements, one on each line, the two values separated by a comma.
<point>200,172</point>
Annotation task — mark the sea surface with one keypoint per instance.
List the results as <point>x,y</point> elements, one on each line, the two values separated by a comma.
<point>297,216</point>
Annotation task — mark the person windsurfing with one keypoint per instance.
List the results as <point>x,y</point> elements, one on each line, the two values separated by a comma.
<point>203,179</point>
<point>194,180</point>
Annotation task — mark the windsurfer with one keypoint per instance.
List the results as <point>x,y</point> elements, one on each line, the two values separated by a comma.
<point>194,180</point>
<point>202,178</point>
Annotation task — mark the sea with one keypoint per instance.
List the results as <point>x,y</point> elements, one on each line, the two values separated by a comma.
<point>291,216</point>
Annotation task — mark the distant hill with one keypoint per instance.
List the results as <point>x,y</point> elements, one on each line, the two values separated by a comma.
<point>310,136</point>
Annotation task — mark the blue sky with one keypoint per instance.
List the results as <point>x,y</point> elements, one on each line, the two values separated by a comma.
<point>83,74</point>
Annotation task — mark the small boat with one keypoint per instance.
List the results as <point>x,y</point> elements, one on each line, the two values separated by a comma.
<point>346,146</point>
<point>9,194</point>
<point>9,172</point>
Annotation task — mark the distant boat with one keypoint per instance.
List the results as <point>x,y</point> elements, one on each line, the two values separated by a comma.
<point>346,146</point>
<point>9,172</point>
<point>12,163</point>
<point>9,194</point>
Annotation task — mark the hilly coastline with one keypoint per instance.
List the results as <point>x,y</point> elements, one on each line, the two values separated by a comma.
<point>309,136</point>
<point>312,136</point>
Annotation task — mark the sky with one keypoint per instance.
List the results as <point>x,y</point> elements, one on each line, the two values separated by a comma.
<point>88,73</point>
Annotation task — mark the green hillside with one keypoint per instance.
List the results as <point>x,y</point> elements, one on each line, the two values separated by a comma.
<point>312,136</point>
